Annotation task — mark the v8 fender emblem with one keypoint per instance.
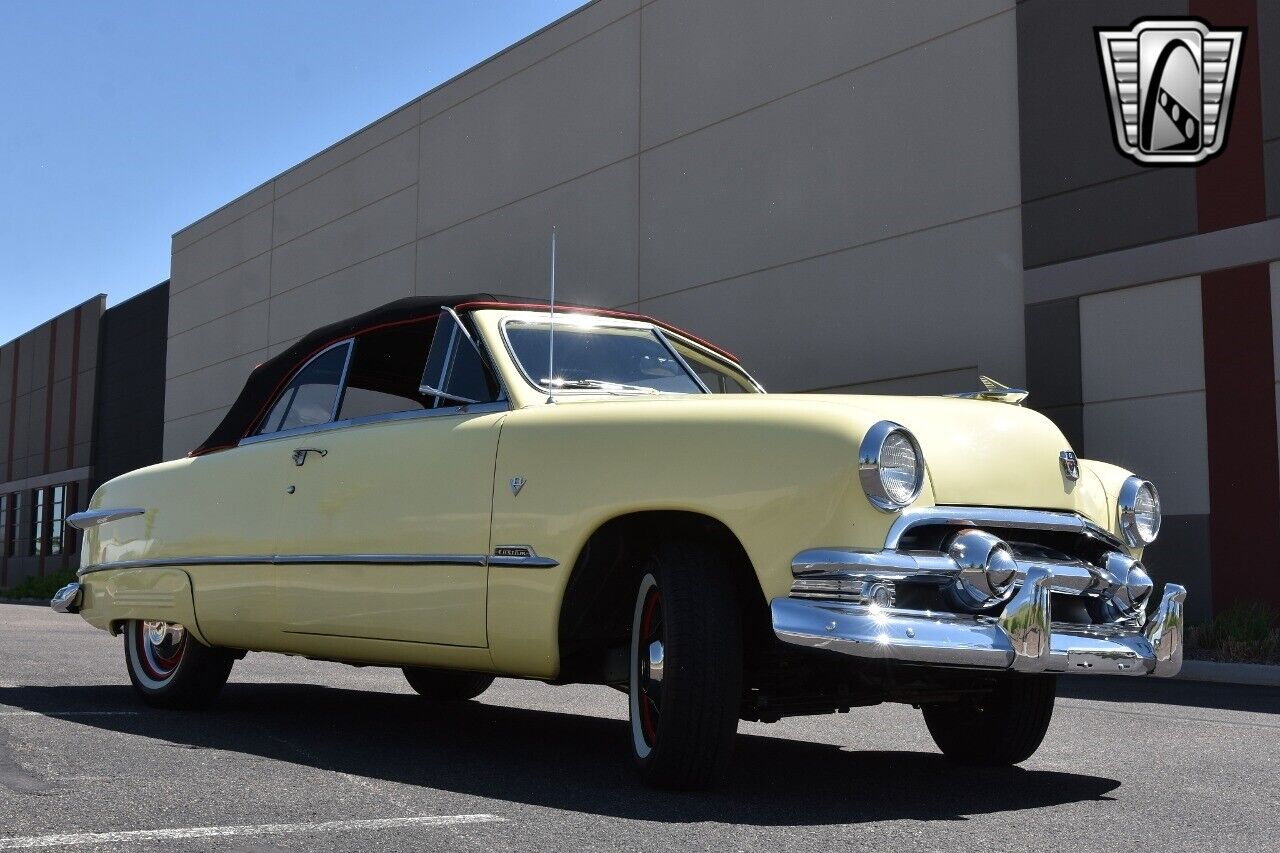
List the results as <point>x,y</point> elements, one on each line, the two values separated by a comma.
<point>517,483</point>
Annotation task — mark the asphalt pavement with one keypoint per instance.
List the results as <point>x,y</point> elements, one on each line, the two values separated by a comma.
<point>302,755</point>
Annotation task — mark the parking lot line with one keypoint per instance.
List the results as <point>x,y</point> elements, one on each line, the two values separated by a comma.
<point>66,840</point>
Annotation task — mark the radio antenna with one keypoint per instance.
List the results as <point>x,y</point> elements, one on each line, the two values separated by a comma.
<point>551,336</point>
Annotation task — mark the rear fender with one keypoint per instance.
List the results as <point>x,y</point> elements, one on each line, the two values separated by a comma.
<point>114,597</point>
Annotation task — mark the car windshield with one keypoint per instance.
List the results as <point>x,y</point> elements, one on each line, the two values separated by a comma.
<point>612,359</point>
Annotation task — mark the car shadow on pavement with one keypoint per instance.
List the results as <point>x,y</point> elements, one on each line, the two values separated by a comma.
<point>562,761</point>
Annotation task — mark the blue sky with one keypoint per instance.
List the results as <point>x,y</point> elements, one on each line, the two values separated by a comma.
<point>122,122</point>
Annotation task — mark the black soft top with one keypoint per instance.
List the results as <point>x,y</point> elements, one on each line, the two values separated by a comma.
<point>268,378</point>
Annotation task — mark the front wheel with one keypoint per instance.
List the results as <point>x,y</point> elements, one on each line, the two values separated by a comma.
<point>171,669</point>
<point>1002,728</point>
<point>686,668</point>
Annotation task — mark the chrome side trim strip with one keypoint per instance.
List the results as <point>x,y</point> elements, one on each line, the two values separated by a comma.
<point>985,516</point>
<point>412,414</point>
<point>477,560</point>
<point>94,517</point>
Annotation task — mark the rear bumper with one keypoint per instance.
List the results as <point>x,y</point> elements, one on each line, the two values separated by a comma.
<point>1023,638</point>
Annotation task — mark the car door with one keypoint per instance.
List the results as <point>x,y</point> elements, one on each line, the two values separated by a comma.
<point>384,532</point>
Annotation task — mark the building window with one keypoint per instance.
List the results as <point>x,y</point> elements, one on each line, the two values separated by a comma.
<point>57,517</point>
<point>4,525</point>
<point>10,531</point>
<point>40,511</point>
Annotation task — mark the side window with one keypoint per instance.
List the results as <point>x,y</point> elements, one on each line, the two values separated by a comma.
<point>309,399</point>
<point>719,378</point>
<point>455,372</point>
<point>384,372</point>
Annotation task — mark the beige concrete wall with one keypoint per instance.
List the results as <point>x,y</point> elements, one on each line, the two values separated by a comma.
<point>1142,378</point>
<point>752,170</point>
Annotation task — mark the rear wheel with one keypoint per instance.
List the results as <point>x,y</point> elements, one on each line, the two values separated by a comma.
<point>1002,728</point>
<point>446,685</point>
<point>686,668</point>
<point>171,669</point>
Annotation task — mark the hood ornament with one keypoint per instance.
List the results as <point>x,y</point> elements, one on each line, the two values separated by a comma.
<point>993,390</point>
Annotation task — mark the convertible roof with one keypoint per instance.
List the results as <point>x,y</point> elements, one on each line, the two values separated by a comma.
<point>266,380</point>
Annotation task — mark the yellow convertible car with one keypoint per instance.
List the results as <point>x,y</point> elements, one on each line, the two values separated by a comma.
<point>469,487</point>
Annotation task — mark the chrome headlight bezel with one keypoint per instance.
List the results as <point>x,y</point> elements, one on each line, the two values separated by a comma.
<point>869,471</point>
<point>1127,507</point>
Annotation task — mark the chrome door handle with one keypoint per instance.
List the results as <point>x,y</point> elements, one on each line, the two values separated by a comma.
<point>300,455</point>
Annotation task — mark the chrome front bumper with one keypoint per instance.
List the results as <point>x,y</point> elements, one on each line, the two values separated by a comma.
<point>1024,638</point>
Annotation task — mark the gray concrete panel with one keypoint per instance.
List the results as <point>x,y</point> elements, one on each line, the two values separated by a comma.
<point>184,434</point>
<point>86,392</point>
<point>35,428</point>
<point>6,371</point>
<point>574,112</point>
<point>59,426</point>
<point>223,216</point>
<point>210,388</point>
<point>343,294</point>
<point>232,244</point>
<point>1157,204</point>
<point>549,41</point>
<point>1180,555</point>
<point>367,233</point>
<point>1142,341</point>
<point>227,337</point>
<point>347,150</point>
<point>66,343</point>
<point>1067,134</point>
<point>815,173</point>
<point>373,175</point>
<point>927,384</point>
<point>1070,420</point>
<point>1258,242</point>
<point>21,431</point>
<point>1163,439</point>
<point>507,251</point>
<point>709,60</point>
<point>896,308</point>
<point>221,295</point>
<point>33,367</point>
<point>1053,354</point>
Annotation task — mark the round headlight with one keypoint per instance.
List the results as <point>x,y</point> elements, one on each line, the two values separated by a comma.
<point>1139,512</point>
<point>890,466</point>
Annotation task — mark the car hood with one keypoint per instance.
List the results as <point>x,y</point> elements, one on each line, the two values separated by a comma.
<point>977,452</point>
<point>980,452</point>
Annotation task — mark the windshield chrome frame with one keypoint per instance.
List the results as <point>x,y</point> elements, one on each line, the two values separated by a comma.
<point>595,322</point>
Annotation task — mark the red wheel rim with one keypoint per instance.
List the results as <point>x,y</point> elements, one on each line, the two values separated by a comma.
<point>159,660</point>
<point>651,636</point>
